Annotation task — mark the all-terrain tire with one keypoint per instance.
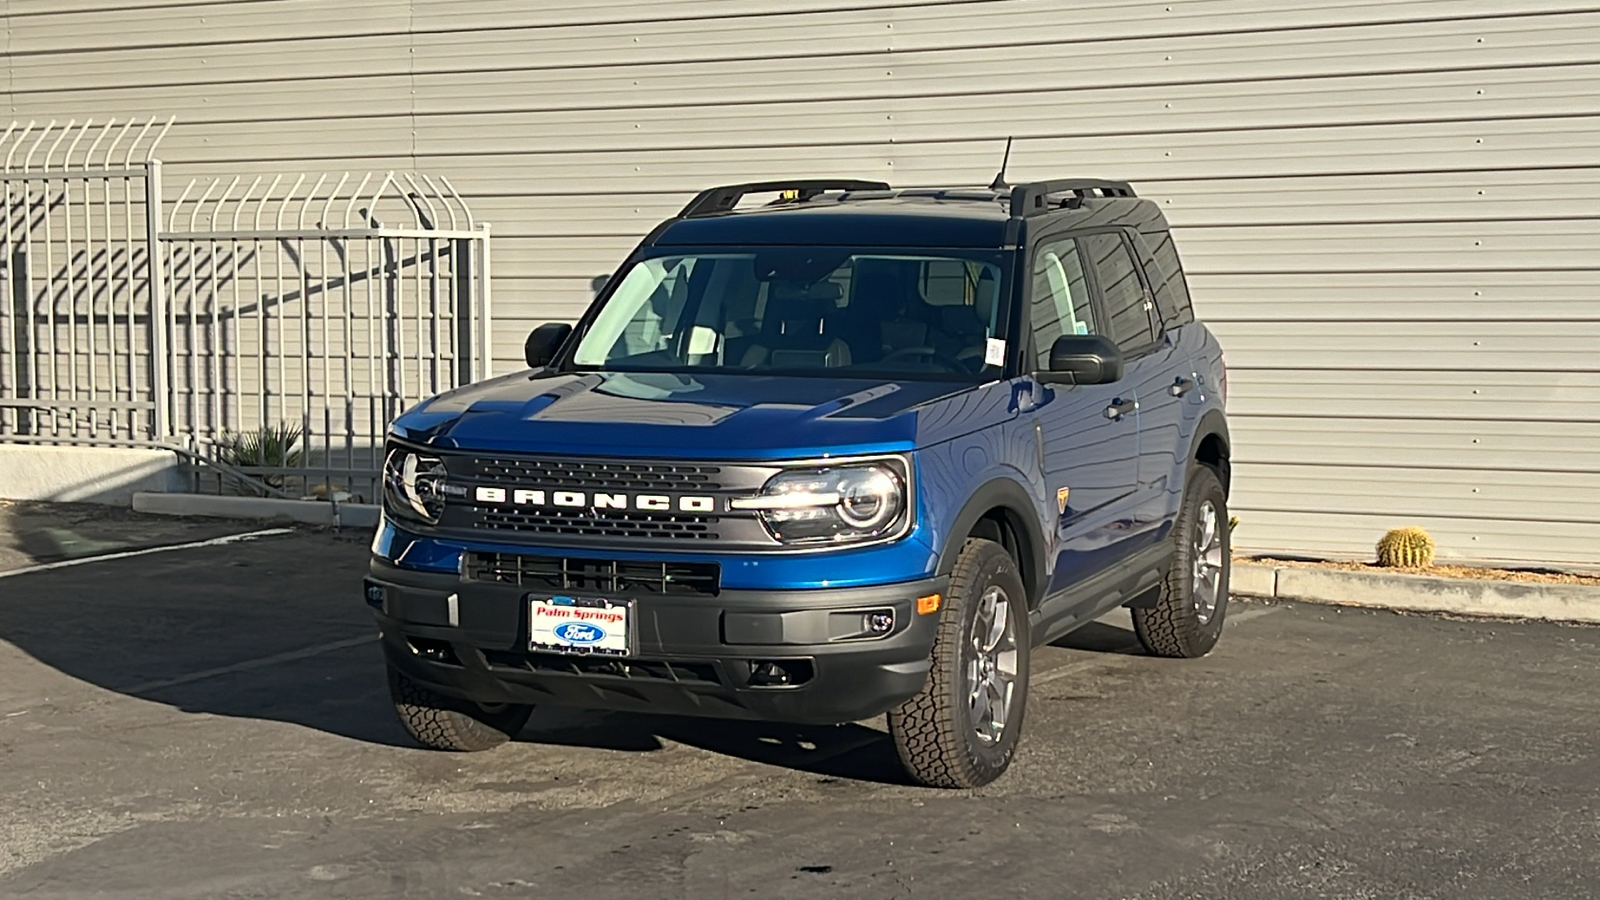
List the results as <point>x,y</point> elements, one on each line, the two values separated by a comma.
<point>1178,626</point>
<point>446,723</point>
<point>937,732</point>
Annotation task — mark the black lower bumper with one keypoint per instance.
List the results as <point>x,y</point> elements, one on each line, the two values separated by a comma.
<point>791,656</point>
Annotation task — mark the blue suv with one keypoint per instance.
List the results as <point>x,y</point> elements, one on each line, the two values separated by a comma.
<point>849,452</point>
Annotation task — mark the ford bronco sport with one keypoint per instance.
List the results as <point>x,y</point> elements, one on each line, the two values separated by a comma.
<point>851,452</point>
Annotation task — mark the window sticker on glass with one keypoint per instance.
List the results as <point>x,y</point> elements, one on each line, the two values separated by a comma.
<point>994,352</point>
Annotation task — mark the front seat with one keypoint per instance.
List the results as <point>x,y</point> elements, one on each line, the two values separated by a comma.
<point>795,332</point>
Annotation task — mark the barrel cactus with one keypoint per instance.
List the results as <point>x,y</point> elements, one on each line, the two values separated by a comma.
<point>1406,548</point>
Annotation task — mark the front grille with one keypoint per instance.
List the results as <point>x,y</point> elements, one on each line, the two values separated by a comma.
<point>608,577</point>
<point>598,475</point>
<point>604,667</point>
<point>598,523</point>
<point>669,521</point>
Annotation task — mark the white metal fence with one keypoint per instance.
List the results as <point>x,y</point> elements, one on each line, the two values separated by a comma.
<point>268,327</point>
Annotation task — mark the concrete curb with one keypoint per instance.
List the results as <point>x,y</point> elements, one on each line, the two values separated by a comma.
<point>1420,593</point>
<point>311,512</point>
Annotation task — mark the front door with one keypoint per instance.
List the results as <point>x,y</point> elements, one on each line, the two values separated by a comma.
<point>1088,437</point>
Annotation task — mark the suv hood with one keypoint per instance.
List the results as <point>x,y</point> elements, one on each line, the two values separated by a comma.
<point>701,416</point>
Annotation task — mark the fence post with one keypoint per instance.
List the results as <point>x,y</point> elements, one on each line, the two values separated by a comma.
<point>463,265</point>
<point>21,283</point>
<point>485,346</point>
<point>159,358</point>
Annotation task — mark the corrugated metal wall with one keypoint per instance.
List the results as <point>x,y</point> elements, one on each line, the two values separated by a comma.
<point>1387,207</point>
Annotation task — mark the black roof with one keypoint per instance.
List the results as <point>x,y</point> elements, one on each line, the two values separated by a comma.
<point>887,221</point>
<point>871,213</point>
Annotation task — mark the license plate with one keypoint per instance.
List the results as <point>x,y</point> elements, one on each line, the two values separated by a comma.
<point>578,625</point>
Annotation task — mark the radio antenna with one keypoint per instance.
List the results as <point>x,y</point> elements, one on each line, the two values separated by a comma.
<point>999,183</point>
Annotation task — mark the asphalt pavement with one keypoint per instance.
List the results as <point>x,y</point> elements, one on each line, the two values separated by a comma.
<point>212,722</point>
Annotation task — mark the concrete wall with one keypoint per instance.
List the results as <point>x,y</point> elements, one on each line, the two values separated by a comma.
<point>1386,206</point>
<point>85,474</point>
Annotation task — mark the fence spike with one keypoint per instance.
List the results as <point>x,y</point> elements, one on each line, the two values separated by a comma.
<point>111,151</point>
<point>266,198</point>
<point>6,137</point>
<point>66,161</point>
<point>371,211</point>
<point>300,220</point>
<point>283,204</point>
<point>465,209</point>
<point>88,155</point>
<point>28,164</point>
<point>354,196</point>
<point>195,213</point>
<point>127,162</point>
<point>238,208</point>
<point>222,201</point>
<point>150,154</point>
<point>332,196</point>
<point>18,145</point>
<point>418,198</point>
<point>449,208</point>
<point>172,219</point>
<point>50,154</point>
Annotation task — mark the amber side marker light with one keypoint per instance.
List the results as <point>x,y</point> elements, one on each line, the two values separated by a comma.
<point>928,604</point>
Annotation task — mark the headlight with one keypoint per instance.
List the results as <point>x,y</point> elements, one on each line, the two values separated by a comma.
<point>413,485</point>
<point>833,504</point>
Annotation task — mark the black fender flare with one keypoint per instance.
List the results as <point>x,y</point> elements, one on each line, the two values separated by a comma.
<point>1005,494</point>
<point>1214,422</point>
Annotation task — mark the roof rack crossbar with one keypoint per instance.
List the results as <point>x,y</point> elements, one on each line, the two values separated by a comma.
<point>721,199</point>
<point>1033,199</point>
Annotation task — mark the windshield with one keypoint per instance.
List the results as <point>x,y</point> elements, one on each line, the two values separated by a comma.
<point>805,310</point>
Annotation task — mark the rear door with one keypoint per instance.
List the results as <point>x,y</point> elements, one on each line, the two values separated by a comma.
<point>1089,456</point>
<point>1153,371</point>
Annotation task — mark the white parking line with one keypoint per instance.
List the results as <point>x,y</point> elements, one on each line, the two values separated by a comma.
<point>213,542</point>
<point>248,664</point>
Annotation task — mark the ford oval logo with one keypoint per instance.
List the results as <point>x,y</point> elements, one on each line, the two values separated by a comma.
<point>580,633</point>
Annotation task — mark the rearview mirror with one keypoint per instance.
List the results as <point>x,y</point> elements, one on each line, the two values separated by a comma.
<point>1083,359</point>
<point>543,343</point>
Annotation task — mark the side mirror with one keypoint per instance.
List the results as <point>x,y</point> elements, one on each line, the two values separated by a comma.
<point>1083,359</point>
<point>543,343</point>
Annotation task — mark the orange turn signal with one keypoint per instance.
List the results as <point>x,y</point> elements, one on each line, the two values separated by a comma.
<point>928,604</point>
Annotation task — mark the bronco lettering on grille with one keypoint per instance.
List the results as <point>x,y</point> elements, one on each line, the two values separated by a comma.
<point>583,500</point>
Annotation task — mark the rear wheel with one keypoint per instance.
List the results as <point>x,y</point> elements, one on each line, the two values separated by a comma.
<point>446,723</point>
<point>961,731</point>
<point>1187,621</point>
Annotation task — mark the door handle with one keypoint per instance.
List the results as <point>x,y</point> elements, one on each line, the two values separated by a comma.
<point>1120,407</point>
<point>1181,386</point>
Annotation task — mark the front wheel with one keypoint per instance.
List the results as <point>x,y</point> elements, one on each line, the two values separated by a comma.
<point>961,731</point>
<point>1187,621</point>
<point>445,723</point>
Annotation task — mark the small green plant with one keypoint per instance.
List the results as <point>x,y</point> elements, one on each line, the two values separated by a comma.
<point>1406,548</point>
<point>1233,524</point>
<point>269,447</point>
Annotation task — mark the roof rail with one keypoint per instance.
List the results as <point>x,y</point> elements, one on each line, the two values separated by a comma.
<point>1032,199</point>
<point>721,199</point>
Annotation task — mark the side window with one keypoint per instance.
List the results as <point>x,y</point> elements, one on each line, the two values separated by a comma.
<point>1059,298</point>
<point>1172,294</point>
<point>1126,304</point>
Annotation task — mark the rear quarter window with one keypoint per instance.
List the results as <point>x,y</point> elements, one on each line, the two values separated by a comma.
<point>1166,275</point>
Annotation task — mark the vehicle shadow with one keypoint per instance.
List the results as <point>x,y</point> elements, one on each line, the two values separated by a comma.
<point>853,751</point>
<point>275,629</point>
<point>1102,636</point>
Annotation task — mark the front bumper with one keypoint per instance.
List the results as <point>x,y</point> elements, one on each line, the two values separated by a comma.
<point>696,655</point>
